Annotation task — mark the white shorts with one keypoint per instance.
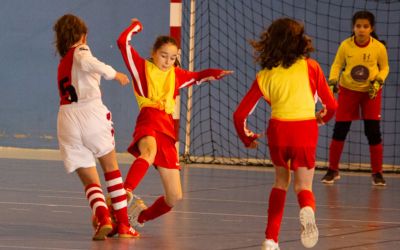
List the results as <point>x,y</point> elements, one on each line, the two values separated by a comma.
<point>84,132</point>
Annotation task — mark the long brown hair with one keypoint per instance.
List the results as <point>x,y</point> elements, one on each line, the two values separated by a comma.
<point>68,31</point>
<point>282,43</point>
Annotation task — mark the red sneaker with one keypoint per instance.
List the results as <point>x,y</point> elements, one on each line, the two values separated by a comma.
<point>95,222</point>
<point>103,229</point>
<point>114,230</point>
<point>126,231</point>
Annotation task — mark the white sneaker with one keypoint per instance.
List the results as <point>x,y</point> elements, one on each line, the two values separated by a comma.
<point>309,230</point>
<point>135,207</point>
<point>270,245</point>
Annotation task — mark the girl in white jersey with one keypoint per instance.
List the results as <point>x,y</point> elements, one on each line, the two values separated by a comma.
<point>84,125</point>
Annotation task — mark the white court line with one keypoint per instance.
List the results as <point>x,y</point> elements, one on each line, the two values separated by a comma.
<point>219,214</point>
<point>39,204</point>
<point>38,190</point>
<point>20,209</point>
<point>290,203</point>
<point>42,248</point>
<point>289,218</point>
<point>59,211</point>
<point>239,201</point>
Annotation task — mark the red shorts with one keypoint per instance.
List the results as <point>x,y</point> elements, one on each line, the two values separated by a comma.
<point>350,102</point>
<point>292,144</point>
<point>292,157</point>
<point>166,157</point>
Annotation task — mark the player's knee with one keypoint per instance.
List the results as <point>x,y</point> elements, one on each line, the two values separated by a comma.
<point>298,187</point>
<point>174,198</point>
<point>282,184</point>
<point>373,131</point>
<point>149,155</point>
<point>340,130</point>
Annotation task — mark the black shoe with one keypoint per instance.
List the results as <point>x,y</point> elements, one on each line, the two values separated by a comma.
<point>330,177</point>
<point>377,179</point>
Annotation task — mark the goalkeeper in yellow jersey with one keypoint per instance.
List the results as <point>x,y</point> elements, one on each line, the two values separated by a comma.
<point>358,74</point>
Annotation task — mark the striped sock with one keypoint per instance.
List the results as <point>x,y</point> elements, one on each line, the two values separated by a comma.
<point>97,201</point>
<point>115,188</point>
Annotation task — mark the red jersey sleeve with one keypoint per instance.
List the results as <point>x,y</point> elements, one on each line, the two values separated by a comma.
<point>320,87</point>
<point>188,78</point>
<point>133,61</point>
<point>244,109</point>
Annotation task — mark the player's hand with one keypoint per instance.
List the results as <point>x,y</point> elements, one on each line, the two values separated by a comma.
<point>253,145</point>
<point>211,78</point>
<point>224,73</point>
<point>333,86</point>
<point>121,78</point>
<point>320,114</point>
<point>134,20</point>
<point>374,88</point>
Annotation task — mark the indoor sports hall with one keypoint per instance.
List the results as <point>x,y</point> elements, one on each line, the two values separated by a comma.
<point>225,186</point>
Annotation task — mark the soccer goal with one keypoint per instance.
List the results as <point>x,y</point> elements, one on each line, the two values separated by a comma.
<point>215,33</point>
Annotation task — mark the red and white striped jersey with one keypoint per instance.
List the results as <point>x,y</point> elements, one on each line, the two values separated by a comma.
<point>79,74</point>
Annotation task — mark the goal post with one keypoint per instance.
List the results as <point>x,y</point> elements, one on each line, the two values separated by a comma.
<point>216,34</point>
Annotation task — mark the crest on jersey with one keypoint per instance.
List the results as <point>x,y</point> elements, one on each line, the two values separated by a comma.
<point>359,73</point>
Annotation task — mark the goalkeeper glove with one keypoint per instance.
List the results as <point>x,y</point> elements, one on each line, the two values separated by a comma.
<point>333,86</point>
<point>374,88</point>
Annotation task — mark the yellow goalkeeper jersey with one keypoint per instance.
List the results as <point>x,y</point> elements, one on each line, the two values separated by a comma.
<point>356,66</point>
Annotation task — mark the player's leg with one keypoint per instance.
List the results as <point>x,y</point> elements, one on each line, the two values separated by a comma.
<point>148,149</point>
<point>303,178</point>
<point>78,158</point>
<point>340,132</point>
<point>173,194</point>
<point>276,205</point>
<point>371,111</point>
<point>115,188</point>
<point>90,180</point>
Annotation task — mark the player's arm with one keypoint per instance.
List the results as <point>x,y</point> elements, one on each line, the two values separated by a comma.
<point>244,109</point>
<point>325,95</point>
<point>133,61</point>
<point>89,63</point>
<point>336,68</point>
<point>188,78</point>
<point>383,63</point>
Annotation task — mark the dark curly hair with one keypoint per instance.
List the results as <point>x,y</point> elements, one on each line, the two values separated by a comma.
<point>68,31</point>
<point>282,44</point>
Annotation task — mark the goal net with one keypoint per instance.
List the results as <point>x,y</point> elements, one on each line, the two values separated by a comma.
<point>221,30</point>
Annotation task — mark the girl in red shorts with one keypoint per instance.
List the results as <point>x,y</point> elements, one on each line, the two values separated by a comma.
<point>364,61</point>
<point>156,83</point>
<point>290,82</point>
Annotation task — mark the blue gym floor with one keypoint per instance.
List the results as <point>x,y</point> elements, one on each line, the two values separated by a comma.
<point>224,208</point>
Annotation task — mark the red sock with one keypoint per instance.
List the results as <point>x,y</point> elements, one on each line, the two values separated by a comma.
<point>97,201</point>
<point>306,199</point>
<point>335,151</point>
<point>276,206</point>
<point>376,156</point>
<point>115,188</point>
<point>136,173</point>
<point>158,208</point>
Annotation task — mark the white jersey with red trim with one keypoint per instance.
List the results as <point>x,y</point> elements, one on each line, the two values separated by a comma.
<point>79,74</point>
